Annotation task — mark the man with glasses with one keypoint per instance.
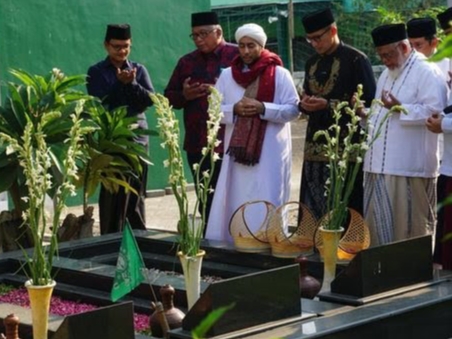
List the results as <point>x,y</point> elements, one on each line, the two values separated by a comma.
<point>118,82</point>
<point>401,166</point>
<point>188,87</point>
<point>332,75</point>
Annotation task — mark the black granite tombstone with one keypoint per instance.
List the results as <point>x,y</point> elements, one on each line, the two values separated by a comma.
<point>258,298</point>
<point>401,264</point>
<point>92,324</point>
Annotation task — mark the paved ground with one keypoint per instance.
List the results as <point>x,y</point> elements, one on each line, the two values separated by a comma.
<point>162,211</point>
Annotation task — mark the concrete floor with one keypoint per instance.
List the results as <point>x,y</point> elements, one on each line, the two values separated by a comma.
<point>162,211</point>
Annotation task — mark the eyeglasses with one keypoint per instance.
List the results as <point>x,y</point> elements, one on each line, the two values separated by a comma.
<point>117,48</point>
<point>202,35</point>
<point>316,38</point>
<point>390,54</point>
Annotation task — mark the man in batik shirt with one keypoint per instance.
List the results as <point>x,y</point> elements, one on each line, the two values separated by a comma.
<point>188,88</point>
<point>332,76</point>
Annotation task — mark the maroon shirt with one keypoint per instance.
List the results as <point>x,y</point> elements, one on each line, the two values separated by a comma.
<point>203,68</point>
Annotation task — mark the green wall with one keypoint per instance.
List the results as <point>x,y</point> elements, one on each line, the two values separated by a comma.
<point>39,35</point>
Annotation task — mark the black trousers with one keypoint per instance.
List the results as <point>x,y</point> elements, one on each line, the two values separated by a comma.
<point>115,208</point>
<point>195,158</point>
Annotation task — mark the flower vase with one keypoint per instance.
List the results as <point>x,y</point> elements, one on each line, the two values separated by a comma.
<point>40,303</point>
<point>330,240</point>
<point>191,267</point>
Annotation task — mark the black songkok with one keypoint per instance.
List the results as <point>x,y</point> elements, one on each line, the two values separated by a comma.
<point>388,34</point>
<point>421,27</point>
<point>204,19</point>
<point>119,32</point>
<point>317,20</point>
<point>445,18</point>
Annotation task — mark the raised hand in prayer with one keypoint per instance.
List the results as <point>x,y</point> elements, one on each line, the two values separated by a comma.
<point>192,91</point>
<point>310,103</point>
<point>433,123</point>
<point>126,76</point>
<point>248,107</point>
<point>389,100</point>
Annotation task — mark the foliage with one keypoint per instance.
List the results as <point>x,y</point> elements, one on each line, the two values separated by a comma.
<point>41,134</point>
<point>206,324</point>
<point>5,288</point>
<point>111,155</point>
<point>444,50</point>
<point>345,152</point>
<point>26,103</point>
<point>358,19</point>
<point>190,232</point>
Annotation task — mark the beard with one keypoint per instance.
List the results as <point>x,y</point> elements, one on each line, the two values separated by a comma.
<point>394,73</point>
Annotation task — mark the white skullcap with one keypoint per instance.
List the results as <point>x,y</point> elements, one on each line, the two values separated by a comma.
<point>252,31</point>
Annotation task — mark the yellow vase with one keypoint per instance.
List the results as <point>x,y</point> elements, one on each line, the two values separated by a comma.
<point>330,240</point>
<point>40,303</point>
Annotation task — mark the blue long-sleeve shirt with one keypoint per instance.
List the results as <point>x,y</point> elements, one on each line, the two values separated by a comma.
<point>102,82</point>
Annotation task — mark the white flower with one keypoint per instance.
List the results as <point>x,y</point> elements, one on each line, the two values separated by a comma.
<point>215,157</point>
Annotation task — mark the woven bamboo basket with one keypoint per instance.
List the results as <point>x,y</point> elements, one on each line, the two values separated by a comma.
<point>355,238</point>
<point>285,244</point>
<point>245,240</point>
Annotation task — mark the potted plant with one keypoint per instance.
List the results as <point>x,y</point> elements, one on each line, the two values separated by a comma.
<point>40,134</point>
<point>26,102</point>
<point>345,158</point>
<point>110,156</point>
<point>190,227</point>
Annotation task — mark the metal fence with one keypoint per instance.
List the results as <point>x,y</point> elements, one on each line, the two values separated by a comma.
<point>354,26</point>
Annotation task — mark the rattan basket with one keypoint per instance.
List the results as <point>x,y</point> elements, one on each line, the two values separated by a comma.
<point>301,241</point>
<point>356,237</point>
<point>245,240</point>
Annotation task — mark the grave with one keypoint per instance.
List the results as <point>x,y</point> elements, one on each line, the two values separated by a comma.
<point>85,271</point>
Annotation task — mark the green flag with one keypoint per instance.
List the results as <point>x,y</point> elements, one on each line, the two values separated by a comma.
<point>129,267</point>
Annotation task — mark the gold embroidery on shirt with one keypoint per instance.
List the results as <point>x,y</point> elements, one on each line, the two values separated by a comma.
<point>324,90</point>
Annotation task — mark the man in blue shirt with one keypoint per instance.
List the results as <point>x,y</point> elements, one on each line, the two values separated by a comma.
<point>117,81</point>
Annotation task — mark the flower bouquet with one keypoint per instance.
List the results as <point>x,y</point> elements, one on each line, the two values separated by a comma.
<point>345,151</point>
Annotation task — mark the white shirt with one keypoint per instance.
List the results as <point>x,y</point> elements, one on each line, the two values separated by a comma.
<point>446,163</point>
<point>406,147</point>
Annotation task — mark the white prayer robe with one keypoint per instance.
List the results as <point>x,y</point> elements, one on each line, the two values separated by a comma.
<point>446,163</point>
<point>445,65</point>
<point>269,179</point>
<point>406,147</point>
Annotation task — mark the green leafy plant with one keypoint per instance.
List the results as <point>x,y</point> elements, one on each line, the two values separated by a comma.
<point>27,101</point>
<point>206,324</point>
<point>111,155</point>
<point>41,138</point>
<point>345,151</point>
<point>190,232</point>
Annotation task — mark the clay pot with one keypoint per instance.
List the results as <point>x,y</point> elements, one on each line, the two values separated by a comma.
<point>309,286</point>
<point>166,316</point>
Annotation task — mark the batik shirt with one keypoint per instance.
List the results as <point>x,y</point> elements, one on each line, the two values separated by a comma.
<point>202,68</point>
<point>334,77</point>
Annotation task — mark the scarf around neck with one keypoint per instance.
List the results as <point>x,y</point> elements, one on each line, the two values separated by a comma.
<point>249,132</point>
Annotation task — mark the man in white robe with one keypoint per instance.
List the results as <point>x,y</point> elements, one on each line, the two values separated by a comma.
<point>401,166</point>
<point>422,36</point>
<point>264,173</point>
